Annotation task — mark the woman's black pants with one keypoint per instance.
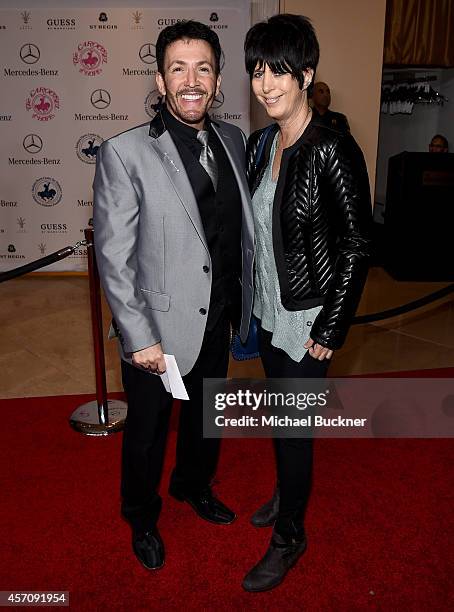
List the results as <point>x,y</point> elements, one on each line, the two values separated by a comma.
<point>293,455</point>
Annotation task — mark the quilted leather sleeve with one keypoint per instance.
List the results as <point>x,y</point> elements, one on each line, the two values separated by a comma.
<point>346,185</point>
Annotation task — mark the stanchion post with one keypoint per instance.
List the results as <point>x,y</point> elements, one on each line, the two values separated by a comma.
<point>103,416</point>
<point>97,329</point>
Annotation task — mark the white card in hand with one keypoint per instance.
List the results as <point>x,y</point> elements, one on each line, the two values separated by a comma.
<point>165,381</point>
<point>172,378</point>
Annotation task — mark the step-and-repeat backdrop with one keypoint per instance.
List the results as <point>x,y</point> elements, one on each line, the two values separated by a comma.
<point>69,80</point>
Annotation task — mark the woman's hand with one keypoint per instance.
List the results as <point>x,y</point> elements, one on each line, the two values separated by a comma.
<point>317,351</point>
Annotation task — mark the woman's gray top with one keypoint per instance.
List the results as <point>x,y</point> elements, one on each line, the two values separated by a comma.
<point>290,329</point>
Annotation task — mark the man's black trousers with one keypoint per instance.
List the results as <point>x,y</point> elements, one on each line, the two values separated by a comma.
<point>145,432</point>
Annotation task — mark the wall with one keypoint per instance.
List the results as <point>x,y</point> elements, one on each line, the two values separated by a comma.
<point>350,34</point>
<point>135,4</point>
<point>70,77</point>
<point>351,38</point>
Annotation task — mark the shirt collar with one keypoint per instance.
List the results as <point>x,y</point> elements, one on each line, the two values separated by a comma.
<point>182,129</point>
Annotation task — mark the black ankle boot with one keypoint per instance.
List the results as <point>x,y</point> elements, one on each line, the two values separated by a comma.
<point>266,515</point>
<point>271,570</point>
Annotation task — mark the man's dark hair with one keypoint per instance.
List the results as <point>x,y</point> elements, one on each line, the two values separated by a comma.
<point>287,43</point>
<point>187,30</point>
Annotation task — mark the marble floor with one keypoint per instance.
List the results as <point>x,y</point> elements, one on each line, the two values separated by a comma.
<point>46,345</point>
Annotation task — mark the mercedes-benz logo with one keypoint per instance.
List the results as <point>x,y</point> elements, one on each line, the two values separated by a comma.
<point>147,53</point>
<point>218,101</point>
<point>100,98</point>
<point>29,53</point>
<point>32,143</point>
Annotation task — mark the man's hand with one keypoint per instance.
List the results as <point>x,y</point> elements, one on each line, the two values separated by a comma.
<point>150,359</point>
<point>318,351</point>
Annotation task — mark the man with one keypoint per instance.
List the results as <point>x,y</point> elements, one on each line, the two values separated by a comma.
<point>321,99</point>
<point>173,234</point>
<point>439,144</point>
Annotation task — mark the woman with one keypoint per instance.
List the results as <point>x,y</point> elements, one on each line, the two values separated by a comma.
<point>312,216</point>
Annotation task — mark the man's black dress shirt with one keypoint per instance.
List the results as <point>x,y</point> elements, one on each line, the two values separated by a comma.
<point>220,212</point>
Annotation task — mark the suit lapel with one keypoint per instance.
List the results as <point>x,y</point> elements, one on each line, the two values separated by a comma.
<point>171,162</point>
<point>239,171</point>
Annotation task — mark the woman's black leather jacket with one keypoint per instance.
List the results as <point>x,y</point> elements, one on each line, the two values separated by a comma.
<point>321,224</point>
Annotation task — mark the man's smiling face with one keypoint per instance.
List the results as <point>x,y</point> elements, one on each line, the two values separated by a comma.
<point>189,82</point>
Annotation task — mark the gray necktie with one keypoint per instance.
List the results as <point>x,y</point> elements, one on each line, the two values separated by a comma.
<point>206,158</point>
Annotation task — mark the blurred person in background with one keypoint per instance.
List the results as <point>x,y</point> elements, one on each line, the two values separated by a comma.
<point>439,144</point>
<point>321,99</point>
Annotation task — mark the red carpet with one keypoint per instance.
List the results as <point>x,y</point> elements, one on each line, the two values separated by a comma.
<point>379,523</point>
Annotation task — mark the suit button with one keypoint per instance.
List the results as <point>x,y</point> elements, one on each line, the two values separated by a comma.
<point>202,311</point>
<point>309,323</point>
<point>206,269</point>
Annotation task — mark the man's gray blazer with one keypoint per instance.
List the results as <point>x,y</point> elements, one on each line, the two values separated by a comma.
<point>150,244</point>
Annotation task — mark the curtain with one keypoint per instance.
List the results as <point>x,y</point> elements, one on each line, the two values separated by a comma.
<point>419,33</point>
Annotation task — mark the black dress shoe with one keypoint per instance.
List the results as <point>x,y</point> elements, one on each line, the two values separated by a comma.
<point>272,569</point>
<point>205,505</point>
<point>266,515</point>
<point>149,549</point>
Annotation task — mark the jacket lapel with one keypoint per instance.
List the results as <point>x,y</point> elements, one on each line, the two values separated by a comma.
<point>239,171</point>
<point>171,162</point>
